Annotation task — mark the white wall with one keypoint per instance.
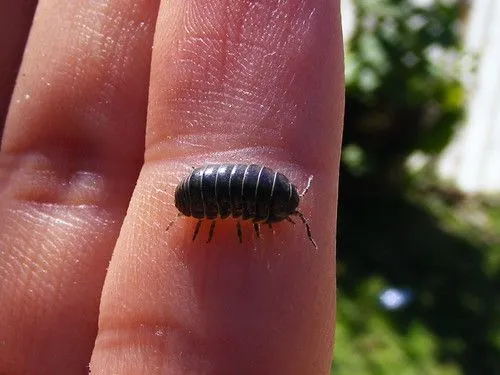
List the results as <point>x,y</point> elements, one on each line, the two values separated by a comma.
<point>473,159</point>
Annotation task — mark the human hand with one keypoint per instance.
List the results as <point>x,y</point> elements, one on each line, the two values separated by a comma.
<point>114,102</point>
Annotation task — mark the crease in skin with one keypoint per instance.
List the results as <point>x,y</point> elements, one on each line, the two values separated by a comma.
<point>49,205</point>
<point>152,341</point>
<point>202,148</point>
<point>39,179</point>
<point>81,189</point>
<point>112,335</point>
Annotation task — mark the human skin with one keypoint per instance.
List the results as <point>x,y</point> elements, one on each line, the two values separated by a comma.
<point>114,102</point>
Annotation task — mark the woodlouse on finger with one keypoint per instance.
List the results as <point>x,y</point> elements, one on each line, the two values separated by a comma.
<point>247,191</point>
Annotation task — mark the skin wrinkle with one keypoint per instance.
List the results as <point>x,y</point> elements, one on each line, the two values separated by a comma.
<point>157,338</point>
<point>36,179</point>
<point>274,153</point>
<point>228,101</point>
<point>183,314</point>
<point>206,111</point>
<point>242,72</point>
<point>196,16</point>
<point>145,223</point>
<point>43,223</point>
<point>96,48</point>
<point>246,55</point>
<point>22,263</point>
<point>80,188</point>
<point>224,95</point>
<point>90,45</point>
<point>100,41</point>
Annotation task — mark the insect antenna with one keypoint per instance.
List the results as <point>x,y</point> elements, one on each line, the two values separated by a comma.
<point>307,186</point>
<point>301,216</point>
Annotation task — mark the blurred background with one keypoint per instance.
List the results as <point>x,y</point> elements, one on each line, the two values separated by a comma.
<point>419,212</point>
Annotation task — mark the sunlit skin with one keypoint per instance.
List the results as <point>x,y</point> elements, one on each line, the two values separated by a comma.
<point>114,102</point>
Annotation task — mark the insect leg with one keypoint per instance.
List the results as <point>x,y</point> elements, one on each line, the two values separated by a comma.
<point>196,229</point>
<point>299,214</point>
<point>238,230</point>
<point>307,187</point>
<point>271,227</point>
<point>211,232</point>
<point>290,220</point>
<point>257,229</point>
<point>173,221</point>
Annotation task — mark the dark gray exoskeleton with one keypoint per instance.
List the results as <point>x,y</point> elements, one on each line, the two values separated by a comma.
<point>246,191</point>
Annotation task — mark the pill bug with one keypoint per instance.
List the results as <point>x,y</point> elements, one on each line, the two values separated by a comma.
<point>246,191</point>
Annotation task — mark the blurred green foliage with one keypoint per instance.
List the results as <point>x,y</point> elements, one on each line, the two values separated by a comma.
<point>403,96</point>
<point>402,88</point>
<point>447,253</point>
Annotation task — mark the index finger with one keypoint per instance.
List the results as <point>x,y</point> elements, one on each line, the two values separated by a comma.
<point>250,83</point>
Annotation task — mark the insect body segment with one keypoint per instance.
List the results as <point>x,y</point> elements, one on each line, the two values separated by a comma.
<point>246,191</point>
